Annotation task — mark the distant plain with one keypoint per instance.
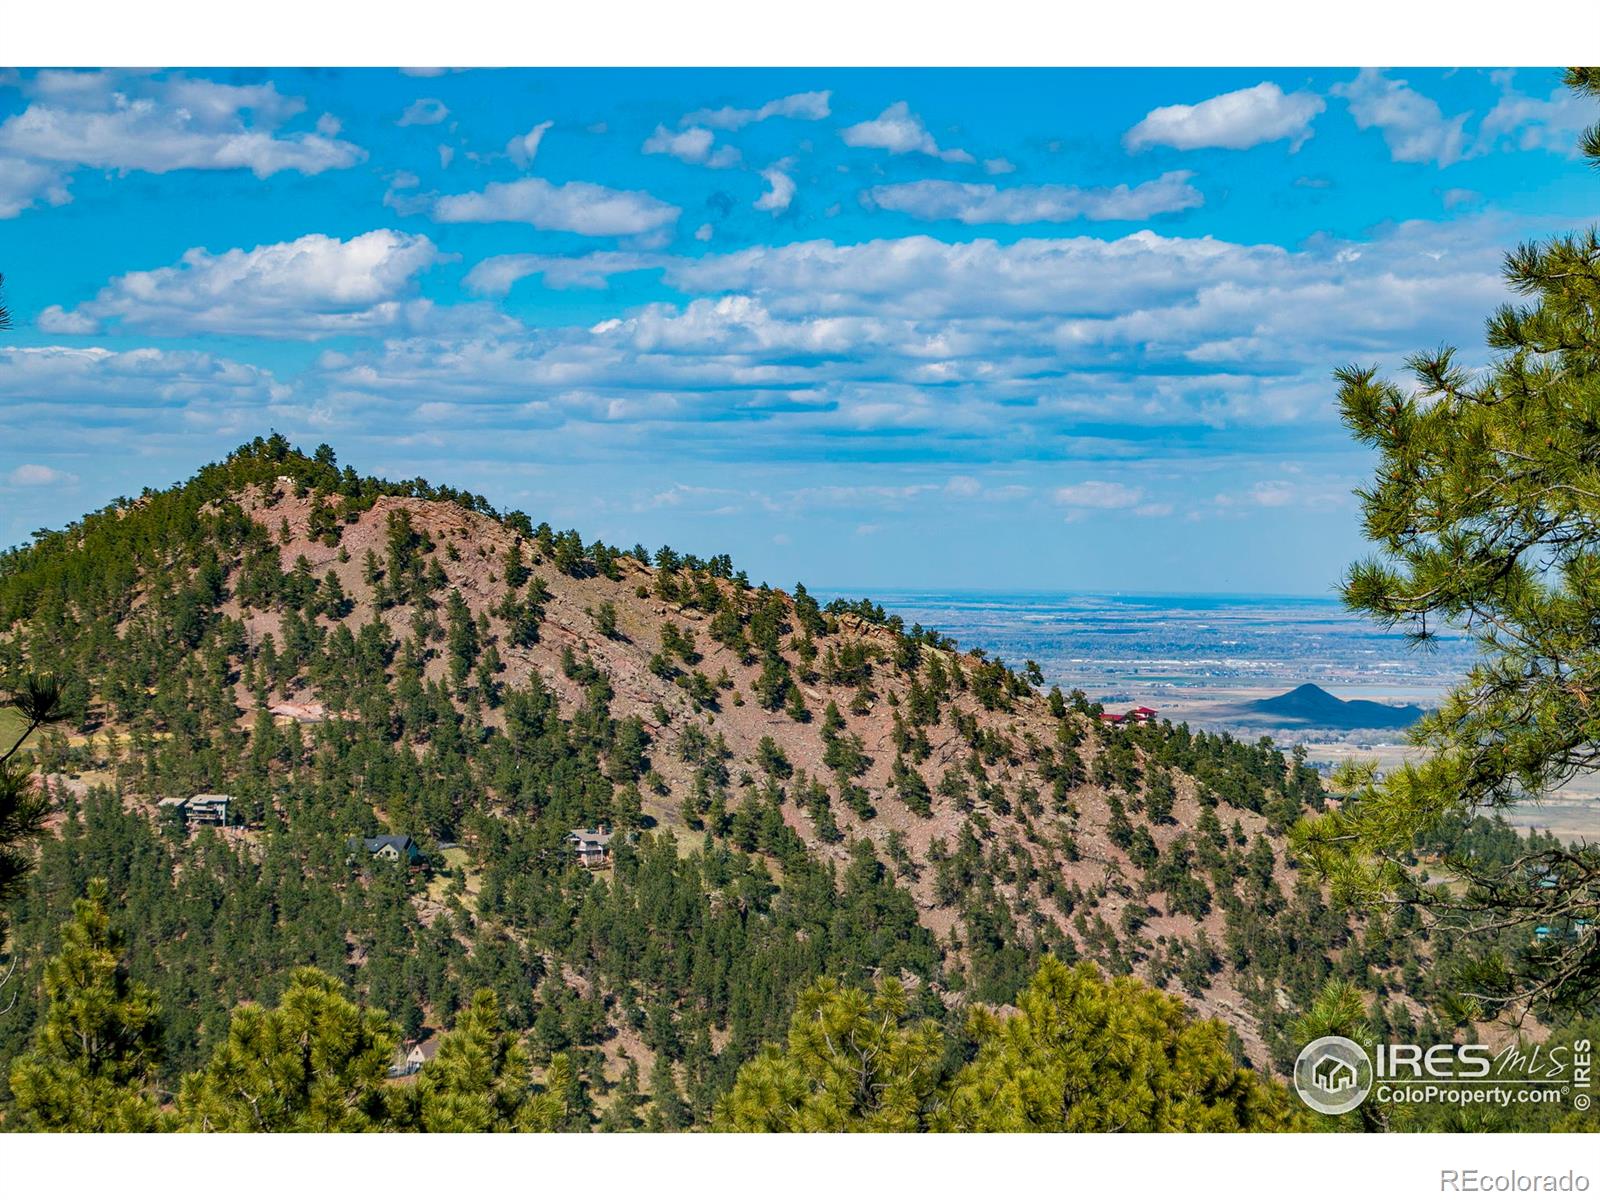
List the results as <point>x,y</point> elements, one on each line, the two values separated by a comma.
<point>1203,659</point>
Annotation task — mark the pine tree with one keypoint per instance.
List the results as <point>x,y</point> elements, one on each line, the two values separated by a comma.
<point>852,1063</point>
<point>314,1064</point>
<point>22,805</point>
<point>1087,1055</point>
<point>93,1060</point>
<point>1485,507</point>
<point>481,1080</point>
<point>668,1112</point>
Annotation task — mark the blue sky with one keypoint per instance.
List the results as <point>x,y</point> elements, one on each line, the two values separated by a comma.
<point>928,328</point>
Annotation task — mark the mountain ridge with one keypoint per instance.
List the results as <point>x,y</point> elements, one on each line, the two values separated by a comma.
<point>491,683</point>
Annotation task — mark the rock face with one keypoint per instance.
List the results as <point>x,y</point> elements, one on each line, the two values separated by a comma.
<point>1310,706</point>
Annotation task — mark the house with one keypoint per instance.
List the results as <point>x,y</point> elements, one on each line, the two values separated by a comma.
<point>390,847</point>
<point>592,847</point>
<point>207,808</point>
<point>412,1057</point>
<point>1134,716</point>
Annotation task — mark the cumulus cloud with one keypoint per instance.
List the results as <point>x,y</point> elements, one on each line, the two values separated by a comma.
<point>1413,126</point>
<point>37,475</point>
<point>585,208</point>
<point>112,122</point>
<point>986,204</point>
<point>315,286</point>
<point>780,189</point>
<point>693,145</point>
<point>524,147</point>
<point>56,319</point>
<point>964,349</point>
<point>802,106</point>
<point>1232,121</point>
<point>123,386</point>
<point>425,111</point>
<point>1531,123</point>
<point>899,131</point>
<point>24,184</point>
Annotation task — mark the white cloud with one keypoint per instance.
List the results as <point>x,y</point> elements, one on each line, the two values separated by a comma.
<point>56,319</point>
<point>109,122</point>
<point>693,145</point>
<point>24,184</point>
<point>802,106</point>
<point>899,131</point>
<point>780,189</point>
<point>1098,493</point>
<point>123,386</point>
<point>998,166</point>
<point>984,203</point>
<point>496,276</point>
<point>1413,126</point>
<point>970,351</point>
<point>585,208</point>
<point>426,111</point>
<point>1530,123</point>
<point>315,286</point>
<point>525,147</point>
<point>703,234</point>
<point>1232,121</point>
<point>37,475</point>
<point>1274,493</point>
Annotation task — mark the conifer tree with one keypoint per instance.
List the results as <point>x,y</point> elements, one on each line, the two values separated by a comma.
<point>93,1059</point>
<point>22,805</point>
<point>1087,1055</point>
<point>313,1064</point>
<point>1485,506</point>
<point>481,1080</point>
<point>668,1112</point>
<point>853,1063</point>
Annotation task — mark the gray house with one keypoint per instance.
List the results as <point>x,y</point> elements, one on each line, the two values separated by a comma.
<point>206,808</point>
<point>390,847</point>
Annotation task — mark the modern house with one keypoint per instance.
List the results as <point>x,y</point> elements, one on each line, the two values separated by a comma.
<point>207,808</point>
<point>591,847</point>
<point>390,847</point>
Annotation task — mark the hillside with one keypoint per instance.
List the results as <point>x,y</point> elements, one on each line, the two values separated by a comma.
<point>1313,707</point>
<point>795,791</point>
